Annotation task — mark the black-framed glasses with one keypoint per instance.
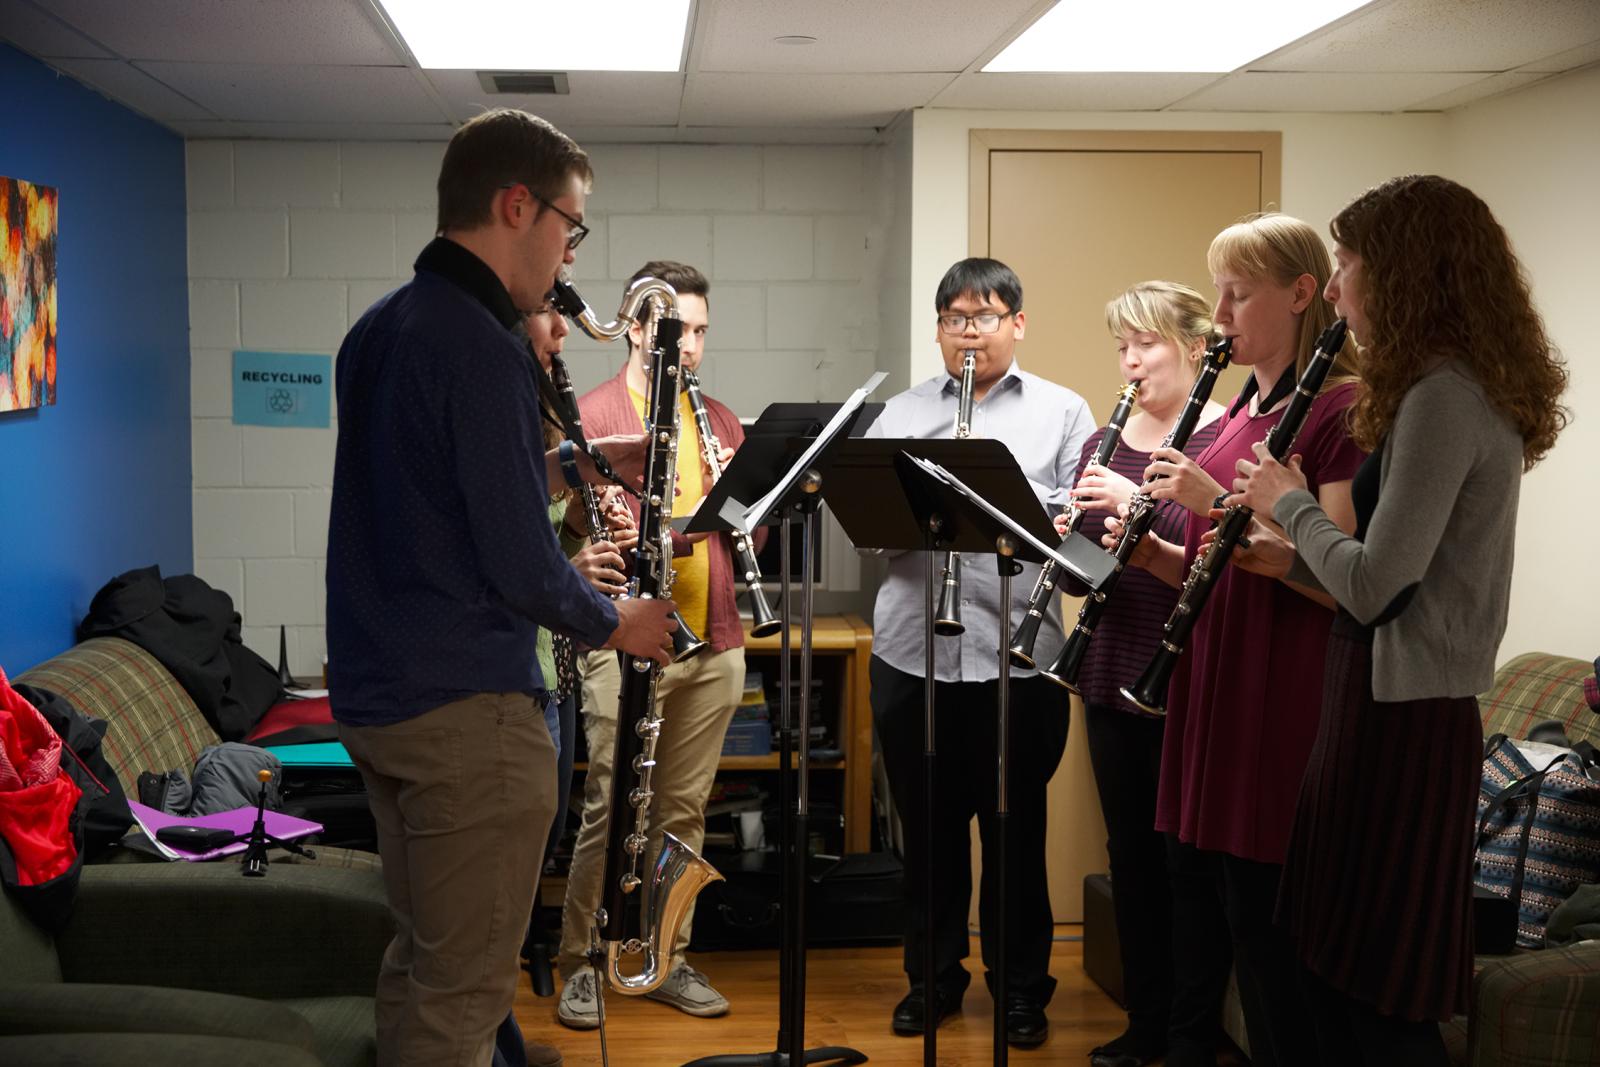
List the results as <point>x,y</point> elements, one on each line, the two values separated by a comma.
<point>578,230</point>
<point>985,321</point>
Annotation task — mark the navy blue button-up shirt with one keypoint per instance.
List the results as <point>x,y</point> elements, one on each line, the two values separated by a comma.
<point>441,558</point>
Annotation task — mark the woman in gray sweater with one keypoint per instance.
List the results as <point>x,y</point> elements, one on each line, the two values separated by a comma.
<point>1459,396</point>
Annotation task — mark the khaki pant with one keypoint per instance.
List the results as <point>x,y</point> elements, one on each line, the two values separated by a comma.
<point>463,796</point>
<point>697,699</point>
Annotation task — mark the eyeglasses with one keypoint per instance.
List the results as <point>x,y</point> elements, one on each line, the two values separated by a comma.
<point>986,322</point>
<point>575,234</point>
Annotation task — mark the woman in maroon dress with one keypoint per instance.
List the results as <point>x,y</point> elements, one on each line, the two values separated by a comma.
<point>1459,396</point>
<point>1161,329</point>
<point>1244,702</point>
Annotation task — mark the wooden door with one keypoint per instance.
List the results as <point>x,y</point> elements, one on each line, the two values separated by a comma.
<point>1080,216</point>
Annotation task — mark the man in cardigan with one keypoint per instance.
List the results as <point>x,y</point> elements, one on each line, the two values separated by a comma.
<point>696,697</point>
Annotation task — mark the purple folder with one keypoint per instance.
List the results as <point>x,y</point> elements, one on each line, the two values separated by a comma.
<point>239,820</point>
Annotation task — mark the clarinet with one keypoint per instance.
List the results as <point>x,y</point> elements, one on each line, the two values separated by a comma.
<point>1039,600</point>
<point>947,618</point>
<point>686,644</point>
<point>1149,693</point>
<point>667,890</point>
<point>573,422</point>
<point>1141,517</point>
<point>763,622</point>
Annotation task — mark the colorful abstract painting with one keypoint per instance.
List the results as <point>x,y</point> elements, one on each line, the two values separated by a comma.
<point>27,294</point>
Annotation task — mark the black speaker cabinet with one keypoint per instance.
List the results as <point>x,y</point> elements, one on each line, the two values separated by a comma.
<point>1102,956</point>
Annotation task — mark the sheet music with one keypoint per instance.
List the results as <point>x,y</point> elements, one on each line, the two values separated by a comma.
<point>957,484</point>
<point>751,516</point>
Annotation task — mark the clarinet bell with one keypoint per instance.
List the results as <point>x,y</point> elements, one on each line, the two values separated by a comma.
<point>764,622</point>
<point>686,644</point>
<point>1021,650</point>
<point>1149,693</point>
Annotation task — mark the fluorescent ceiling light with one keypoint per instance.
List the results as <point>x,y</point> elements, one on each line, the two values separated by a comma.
<point>1167,36</point>
<point>543,34</point>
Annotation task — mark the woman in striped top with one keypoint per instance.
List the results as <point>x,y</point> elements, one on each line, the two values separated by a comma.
<point>1161,329</point>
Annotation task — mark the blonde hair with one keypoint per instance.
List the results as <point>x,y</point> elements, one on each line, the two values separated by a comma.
<point>1280,248</point>
<point>1170,309</point>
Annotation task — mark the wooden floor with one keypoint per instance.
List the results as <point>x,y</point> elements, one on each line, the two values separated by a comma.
<point>849,996</point>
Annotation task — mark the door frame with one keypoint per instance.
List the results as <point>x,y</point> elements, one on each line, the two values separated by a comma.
<point>1266,145</point>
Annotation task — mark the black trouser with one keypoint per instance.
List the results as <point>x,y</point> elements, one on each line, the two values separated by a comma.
<point>1275,1014</point>
<point>1353,1033</point>
<point>1125,750</point>
<point>1202,955</point>
<point>965,740</point>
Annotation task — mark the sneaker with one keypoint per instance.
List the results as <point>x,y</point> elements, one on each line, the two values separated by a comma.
<point>687,990</point>
<point>578,1008</point>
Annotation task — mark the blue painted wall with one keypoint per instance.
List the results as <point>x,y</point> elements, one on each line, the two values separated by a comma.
<point>100,482</point>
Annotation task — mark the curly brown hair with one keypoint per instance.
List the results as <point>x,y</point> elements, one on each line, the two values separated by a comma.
<point>1440,279</point>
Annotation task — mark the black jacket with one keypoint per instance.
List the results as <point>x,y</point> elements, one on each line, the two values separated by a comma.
<point>193,631</point>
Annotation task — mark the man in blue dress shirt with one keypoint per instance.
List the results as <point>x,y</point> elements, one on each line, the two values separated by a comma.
<point>979,307</point>
<point>442,564</point>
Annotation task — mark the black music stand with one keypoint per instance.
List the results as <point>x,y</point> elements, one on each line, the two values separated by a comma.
<point>887,495</point>
<point>777,468</point>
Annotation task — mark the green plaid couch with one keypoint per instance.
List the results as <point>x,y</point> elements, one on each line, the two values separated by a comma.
<point>1535,1008</point>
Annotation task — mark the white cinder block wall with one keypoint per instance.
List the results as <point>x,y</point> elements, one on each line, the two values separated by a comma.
<point>289,242</point>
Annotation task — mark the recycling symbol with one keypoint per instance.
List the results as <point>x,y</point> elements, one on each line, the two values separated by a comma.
<point>280,401</point>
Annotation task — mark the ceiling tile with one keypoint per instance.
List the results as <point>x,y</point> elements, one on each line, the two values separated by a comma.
<point>852,37</point>
<point>42,35</point>
<point>1270,91</point>
<point>316,131</point>
<point>1444,35</point>
<point>1076,92</point>
<point>128,85</point>
<point>600,135</point>
<point>1479,90</point>
<point>236,31</point>
<point>245,92</point>
<point>1571,59</point>
<point>597,98</point>
<point>805,99</point>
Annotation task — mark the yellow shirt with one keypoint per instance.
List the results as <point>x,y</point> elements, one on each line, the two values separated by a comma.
<point>693,581</point>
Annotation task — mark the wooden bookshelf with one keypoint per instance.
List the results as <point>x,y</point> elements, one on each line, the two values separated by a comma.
<point>833,637</point>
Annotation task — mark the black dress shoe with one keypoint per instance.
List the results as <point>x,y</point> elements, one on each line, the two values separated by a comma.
<point>1026,1026</point>
<point>1098,1058</point>
<point>1128,1050</point>
<point>909,1013</point>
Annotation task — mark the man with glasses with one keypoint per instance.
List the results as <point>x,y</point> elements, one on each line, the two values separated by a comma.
<point>442,563</point>
<point>978,308</point>
<point>696,697</point>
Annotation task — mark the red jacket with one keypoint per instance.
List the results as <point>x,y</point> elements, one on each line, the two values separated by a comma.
<point>607,409</point>
<point>37,799</point>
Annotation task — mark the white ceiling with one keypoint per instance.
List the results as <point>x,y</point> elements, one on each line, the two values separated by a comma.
<point>333,69</point>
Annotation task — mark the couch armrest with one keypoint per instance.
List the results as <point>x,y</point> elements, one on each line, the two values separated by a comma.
<point>302,931</point>
<point>1537,1008</point>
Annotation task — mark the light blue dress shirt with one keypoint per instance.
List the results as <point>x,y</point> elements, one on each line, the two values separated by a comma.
<point>1044,425</point>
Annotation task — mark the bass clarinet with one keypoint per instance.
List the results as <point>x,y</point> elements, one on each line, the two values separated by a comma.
<point>685,643</point>
<point>763,622</point>
<point>1149,693</point>
<point>667,890</point>
<point>947,617</point>
<point>1039,600</point>
<point>1141,516</point>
